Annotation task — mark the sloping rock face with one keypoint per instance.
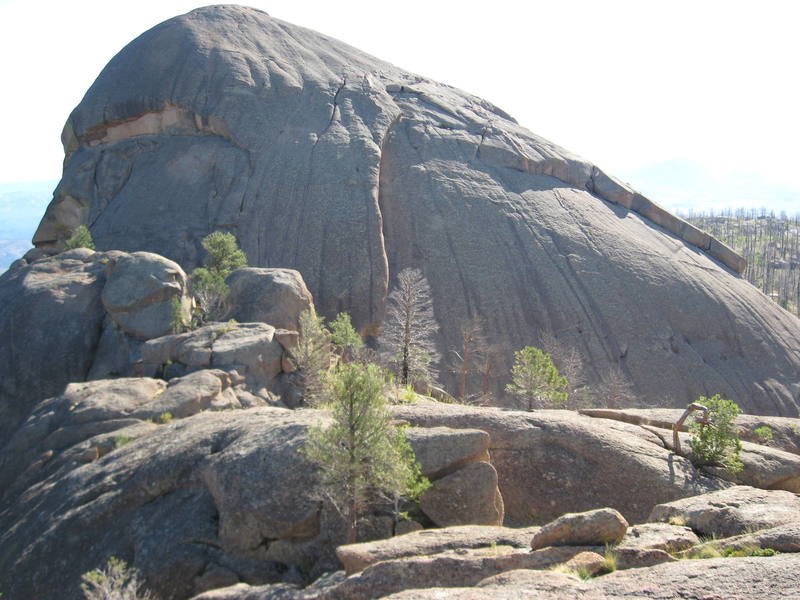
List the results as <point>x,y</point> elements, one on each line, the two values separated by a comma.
<point>326,160</point>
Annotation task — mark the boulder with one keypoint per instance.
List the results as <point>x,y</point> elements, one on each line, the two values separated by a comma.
<point>448,569</point>
<point>731,511</point>
<point>78,315</point>
<point>466,496</point>
<point>51,318</point>
<point>659,536</point>
<point>191,394</point>
<point>549,462</point>
<point>591,528</point>
<point>441,450</point>
<point>249,348</point>
<point>586,563</point>
<point>139,294</point>
<point>635,558</point>
<point>356,557</point>
<point>326,160</point>
<point>274,296</point>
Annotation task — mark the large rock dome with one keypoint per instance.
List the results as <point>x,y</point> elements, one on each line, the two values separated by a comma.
<point>326,160</point>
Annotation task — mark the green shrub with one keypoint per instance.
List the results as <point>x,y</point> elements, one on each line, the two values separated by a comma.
<point>80,238</point>
<point>122,440</point>
<point>179,324</point>
<point>748,550</point>
<point>717,442</point>
<point>609,560</point>
<point>163,418</point>
<point>764,433</point>
<point>114,582</point>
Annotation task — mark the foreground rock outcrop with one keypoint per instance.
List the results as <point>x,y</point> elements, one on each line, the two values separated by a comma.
<point>76,316</point>
<point>489,562</point>
<point>739,578</point>
<point>197,490</point>
<point>331,162</point>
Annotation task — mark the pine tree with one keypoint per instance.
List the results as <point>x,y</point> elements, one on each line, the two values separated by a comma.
<point>361,457</point>
<point>312,357</point>
<point>208,282</point>
<point>80,238</point>
<point>535,380</point>
<point>344,338</point>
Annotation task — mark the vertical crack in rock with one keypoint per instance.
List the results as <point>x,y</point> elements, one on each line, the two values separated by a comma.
<point>377,318</point>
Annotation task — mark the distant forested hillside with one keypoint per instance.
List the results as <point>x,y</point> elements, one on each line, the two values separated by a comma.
<point>770,243</point>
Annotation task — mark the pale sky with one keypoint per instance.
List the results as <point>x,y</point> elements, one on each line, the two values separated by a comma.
<point>622,83</point>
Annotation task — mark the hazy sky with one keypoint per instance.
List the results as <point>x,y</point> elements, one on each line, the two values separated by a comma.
<point>621,83</point>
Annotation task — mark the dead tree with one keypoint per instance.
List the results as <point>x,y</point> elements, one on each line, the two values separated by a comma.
<point>471,357</point>
<point>407,340</point>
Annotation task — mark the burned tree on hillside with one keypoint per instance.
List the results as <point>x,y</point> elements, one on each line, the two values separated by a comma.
<point>407,340</point>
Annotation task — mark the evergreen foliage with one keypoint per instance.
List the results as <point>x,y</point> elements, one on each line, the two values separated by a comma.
<point>224,255</point>
<point>312,358</point>
<point>361,457</point>
<point>80,238</point>
<point>344,337</point>
<point>409,329</point>
<point>177,320</point>
<point>114,582</point>
<point>535,381</point>
<point>717,443</point>
<point>208,282</point>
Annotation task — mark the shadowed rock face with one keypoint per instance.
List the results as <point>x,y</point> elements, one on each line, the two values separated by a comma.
<point>326,160</point>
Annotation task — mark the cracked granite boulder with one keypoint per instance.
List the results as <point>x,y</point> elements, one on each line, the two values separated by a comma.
<point>326,160</point>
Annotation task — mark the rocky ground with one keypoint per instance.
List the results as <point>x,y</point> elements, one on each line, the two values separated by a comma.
<point>180,453</point>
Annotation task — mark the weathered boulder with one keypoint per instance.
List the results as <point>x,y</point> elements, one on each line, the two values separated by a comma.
<point>732,511</point>
<point>549,462</point>
<point>441,450</point>
<point>763,467</point>
<point>326,160</point>
<point>249,348</point>
<point>75,315</point>
<point>588,563</point>
<point>635,558</point>
<point>50,322</point>
<point>448,569</point>
<point>356,557</point>
<point>591,528</point>
<point>659,536</point>
<point>274,296</point>
<point>83,422</point>
<point>139,294</point>
<point>466,496</point>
